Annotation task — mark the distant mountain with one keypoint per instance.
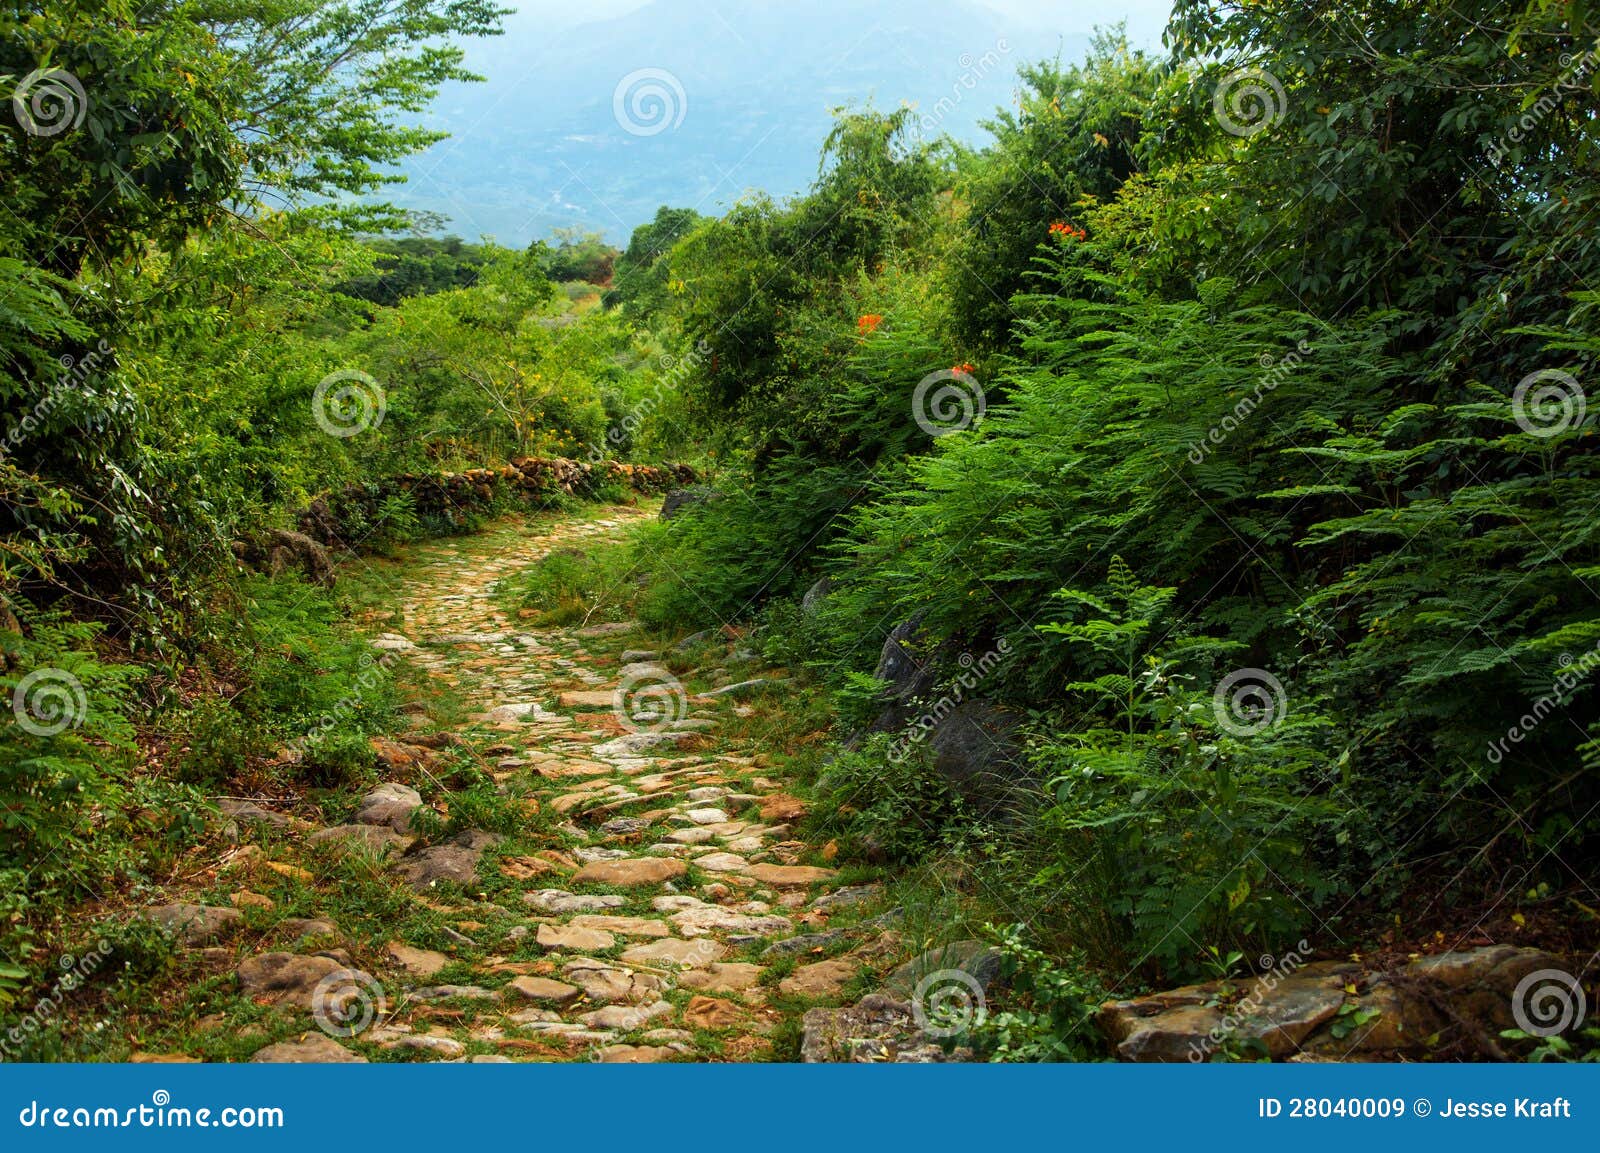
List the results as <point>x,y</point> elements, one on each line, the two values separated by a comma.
<point>724,97</point>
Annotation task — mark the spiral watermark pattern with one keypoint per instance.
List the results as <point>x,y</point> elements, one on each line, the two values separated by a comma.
<point>49,101</point>
<point>649,101</point>
<point>1548,403</point>
<point>950,400</point>
<point>346,1002</point>
<point>348,402</point>
<point>1547,1002</point>
<point>1248,101</point>
<point>48,702</point>
<point>948,1002</point>
<point>648,701</point>
<point>1249,701</point>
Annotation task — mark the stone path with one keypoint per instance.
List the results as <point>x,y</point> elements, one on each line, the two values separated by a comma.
<point>655,904</point>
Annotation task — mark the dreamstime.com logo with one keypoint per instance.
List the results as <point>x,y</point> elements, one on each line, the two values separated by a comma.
<point>1248,101</point>
<point>1547,1002</point>
<point>946,401</point>
<point>348,402</point>
<point>347,1002</point>
<point>948,1002</point>
<point>48,702</point>
<point>160,1113</point>
<point>1249,701</point>
<point>49,101</point>
<point>648,701</point>
<point>649,101</point>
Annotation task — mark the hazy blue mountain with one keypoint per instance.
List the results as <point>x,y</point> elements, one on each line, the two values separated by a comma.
<point>539,146</point>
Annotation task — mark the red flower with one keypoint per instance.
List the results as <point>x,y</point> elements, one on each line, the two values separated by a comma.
<point>963,369</point>
<point>868,322</point>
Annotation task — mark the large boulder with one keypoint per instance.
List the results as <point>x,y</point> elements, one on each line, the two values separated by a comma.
<point>973,742</point>
<point>682,500</point>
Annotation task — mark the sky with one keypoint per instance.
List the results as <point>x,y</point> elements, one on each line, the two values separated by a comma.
<point>1145,18</point>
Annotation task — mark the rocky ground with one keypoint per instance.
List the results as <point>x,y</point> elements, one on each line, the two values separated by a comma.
<point>630,887</point>
<point>585,847</point>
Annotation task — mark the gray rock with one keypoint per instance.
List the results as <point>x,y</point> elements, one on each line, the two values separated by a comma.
<point>455,864</point>
<point>285,978</point>
<point>378,840</point>
<point>877,1029</point>
<point>557,901</point>
<point>745,688</point>
<point>682,500</point>
<point>312,1049</point>
<point>844,898</point>
<point>251,813</point>
<point>974,958</point>
<point>805,943</point>
<point>811,603</point>
<point>453,993</point>
<point>196,924</point>
<point>305,928</point>
<point>391,804</point>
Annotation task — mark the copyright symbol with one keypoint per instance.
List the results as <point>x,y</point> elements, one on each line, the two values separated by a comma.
<point>1422,1107</point>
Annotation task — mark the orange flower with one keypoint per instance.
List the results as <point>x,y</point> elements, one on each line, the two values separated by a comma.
<point>1067,231</point>
<point>963,368</point>
<point>868,322</point>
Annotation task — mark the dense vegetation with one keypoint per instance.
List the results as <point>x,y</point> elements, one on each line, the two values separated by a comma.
<point>1237,398</point>
<point>1240,397</point>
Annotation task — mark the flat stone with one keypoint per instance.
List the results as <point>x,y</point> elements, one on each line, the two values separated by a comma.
<point>711,1013</point>
<point>312,1049</point>
<point>627,926</point>
<point>446,1048</point>
<point>605,984</point>
<point>723,977</point>
<point>782,807</point>
<point>844,898</point>
<point>422,962</point>
<point>614,629</point>
<point>451,863</point>
<point>633,1054</point>
<point>625,1017</point>
<point>453,993</point>
<point>675,902</point>
<point>392,804</point>
<point>634,871</point>
<point>741,688</point>
<point>685,954</point>
<point>722,863</point>
<point>693,835</point>
<point>378,840</point>
<point>303,928</point>
<point>820,979</point>
<point>285,978</point>
<point>587,699</point>
<point>806,943</point>
<point>789,876</point>
<point>633,744</point>
<point>252,814</point>
<point>196,924</point>
<point>573,939</point>
<point>558,901</point>
<point>543,989</point>
<point>876,1029</point>
<point>697,922</point>
<point>707,816</point>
